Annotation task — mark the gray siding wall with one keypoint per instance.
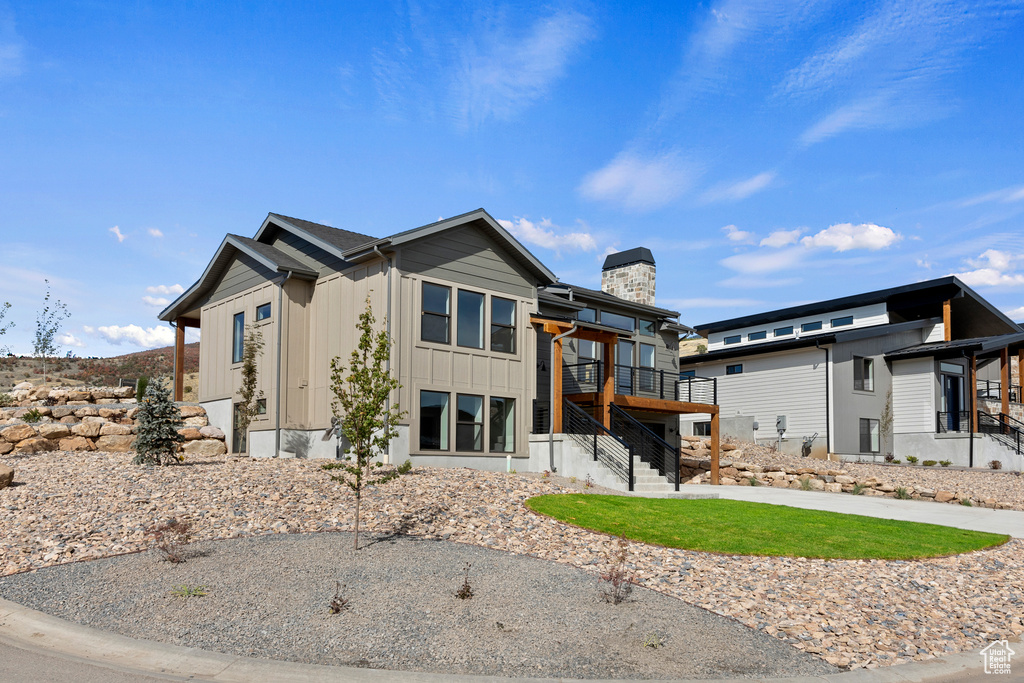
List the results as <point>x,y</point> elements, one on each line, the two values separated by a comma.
<point>850,405</point>
<point>308,254</point>
<point>468,257</point>
<point>243,274</point>
<point>915,387</point>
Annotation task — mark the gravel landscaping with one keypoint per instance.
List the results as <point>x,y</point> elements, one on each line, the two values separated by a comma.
<point>268,597</point>
<point>71,506</point>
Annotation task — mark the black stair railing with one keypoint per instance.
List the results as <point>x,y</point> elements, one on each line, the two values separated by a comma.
<point>650,447</point>
<point>602,443</point>
<point>1003,428</point>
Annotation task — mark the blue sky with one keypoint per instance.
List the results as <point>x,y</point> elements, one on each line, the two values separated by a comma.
<point>768,153</point>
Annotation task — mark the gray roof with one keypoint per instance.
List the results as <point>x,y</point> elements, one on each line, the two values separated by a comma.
<point>342,239</point>
<point>278,260</point>
<point>945,349</point>
<point>628,257</point>
<point>603,297</point>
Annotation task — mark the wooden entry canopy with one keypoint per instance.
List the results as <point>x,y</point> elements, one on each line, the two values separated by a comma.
<point>179,355</point>
<point>606,396</point>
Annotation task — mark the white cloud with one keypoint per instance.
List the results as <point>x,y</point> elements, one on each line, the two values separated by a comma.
<point>166,289</point>
<point>993,268</point>
<point>760,262</point>
<point>846,236</point>
<point>993,259</point>
<point>924,263</point>
<point>1015,314</point>
<point>707,302</point>
<point>781,238</point>
<point>1006,195</point>
<point>500,75</point>
<point>133,335</point>
<point>736,235</point>
<point>741,189</point>
<point>155,232</point>
<point>117,233</point>
<point>68,339</point>
<point>157,301</point>
<point>640,183</point>
<point>544,234</point>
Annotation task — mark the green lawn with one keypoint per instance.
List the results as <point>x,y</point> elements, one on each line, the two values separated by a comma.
<point>739,528</point>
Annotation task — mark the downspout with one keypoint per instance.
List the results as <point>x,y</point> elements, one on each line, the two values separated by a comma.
<point>551,398</point>
<point>277,397</point>
<point>387,322</point>
<point>828,409</point>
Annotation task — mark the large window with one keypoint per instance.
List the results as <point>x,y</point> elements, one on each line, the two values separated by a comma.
<point>262,312</point>
<point>433,421</point>
<point>868,435</point>
<point>646,362</point>
<point>619,322</point>
<point>471,319</point>
<point>863,374</point>
<point>503,325</point>
<point>587,315</point>
<point>469,423</point>
<point>503,425</point>
<point>238,338</point>
<point>435,322</point>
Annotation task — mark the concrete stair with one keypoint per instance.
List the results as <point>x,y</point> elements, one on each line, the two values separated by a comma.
<point>647,480</point>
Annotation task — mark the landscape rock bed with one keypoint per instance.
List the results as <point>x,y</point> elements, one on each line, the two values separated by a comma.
<point>70,506</point>
<point>526,617</point>
<point>745,464</point>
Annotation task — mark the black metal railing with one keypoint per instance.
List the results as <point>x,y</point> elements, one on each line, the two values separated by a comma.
<point>582,378</point>
<point>602,443</point>
<point>541,416</point>
<point>955,421</point>
<point>992,390</point>
<point>651,448</point>
<point>697,390</point>
<point>1003,428</point>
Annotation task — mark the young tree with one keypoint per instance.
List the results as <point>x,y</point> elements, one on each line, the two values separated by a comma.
<point>159,420</point>
<point>361,405</point>
<point>4,350</point>
<point>249,406</point>
<point>47,326</point>
<point>885,422</point>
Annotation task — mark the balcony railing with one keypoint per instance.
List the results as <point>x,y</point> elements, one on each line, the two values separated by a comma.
<point>956,421</point>
<point>588,377</point>
<point>989,389</point>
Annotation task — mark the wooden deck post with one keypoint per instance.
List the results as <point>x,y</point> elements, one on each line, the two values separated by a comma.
<point>1004,379</point>
<point>608,386</point>
<point>179,359</point>
<point>947,320</point>
<point>556,395</point>
<point>715,448</point>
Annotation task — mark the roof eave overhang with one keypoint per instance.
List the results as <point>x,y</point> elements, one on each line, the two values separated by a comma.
<point>758,349</point>
<point>277,221</point>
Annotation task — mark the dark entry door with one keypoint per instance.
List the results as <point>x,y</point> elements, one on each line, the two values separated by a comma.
<point>658,428</point>
<point>952,399</point>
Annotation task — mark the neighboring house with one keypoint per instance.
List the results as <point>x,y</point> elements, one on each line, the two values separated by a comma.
<point>470,311</point>
<point>826,369</point>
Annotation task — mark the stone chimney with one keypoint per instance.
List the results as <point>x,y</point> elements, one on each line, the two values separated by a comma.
<point>629,275</point>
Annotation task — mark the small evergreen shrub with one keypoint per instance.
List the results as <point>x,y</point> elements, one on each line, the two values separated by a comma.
<point>32,416</point>
<point>945,463</point>
<point>912,459</point>
<point>929,463</point>
<point>158,423</point>
<point>896,461</point>
<point>405,467</point>
<point>140,389</point>
<point>6,400</point>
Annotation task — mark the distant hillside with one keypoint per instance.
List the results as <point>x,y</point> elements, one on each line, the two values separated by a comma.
<point>97,371</point>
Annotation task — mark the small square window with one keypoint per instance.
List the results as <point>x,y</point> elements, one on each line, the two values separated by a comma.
<point>702,429</point>
<point>647,328</point>
<point>261,406</point>
<point>811,327</point>
<point>755,336</point>
<point>734,369</point>
<point>784,331</point>
<point>842,322</point>
<point>733,339</point>
<point>262,312</point>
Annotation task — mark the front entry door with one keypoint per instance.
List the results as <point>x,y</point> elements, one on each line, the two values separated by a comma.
<point>952,400</point>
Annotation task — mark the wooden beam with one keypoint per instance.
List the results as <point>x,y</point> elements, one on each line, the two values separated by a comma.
<point>179,360</point>
<point>715,445</point>
<point>608,386</point>
<point>1004,379</point>
<point>657,405</point>
<point>556,397</point>
<point>947,320</point>
<point>974,394</point>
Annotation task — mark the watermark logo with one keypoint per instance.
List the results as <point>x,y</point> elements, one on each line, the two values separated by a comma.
<point>997,657</point>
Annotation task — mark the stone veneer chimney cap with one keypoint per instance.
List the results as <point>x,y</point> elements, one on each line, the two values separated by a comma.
<point>628,257</point>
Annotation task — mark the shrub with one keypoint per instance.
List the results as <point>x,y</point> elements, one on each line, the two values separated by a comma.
<point>929,463</point>
<point>159,420</point>
<point>170,538</point>
<point>902,493</point>
<point>897,461</point>
<point>405,467</point>
<point>32,416</point>
<point>912,459</point>
<point>858,489</point>
<point>754,481</point>
<point>945,463</point>
<point>338,602</point>
<point>6,400</point>
<point>616,584</point>
<point>966,502</point>
<point>805,484</point>
<point>140,388</point>
<point>889,457</point>
<point>465,591</point>
<point>996,465</point>
<point>187,591</point>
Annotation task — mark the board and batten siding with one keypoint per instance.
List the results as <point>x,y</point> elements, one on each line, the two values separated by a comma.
<point>787,383</point>
<point>914,387</point>
<point>467,256</point>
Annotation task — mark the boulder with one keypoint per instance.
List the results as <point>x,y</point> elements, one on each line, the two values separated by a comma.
<point>111,413</point>
<point>817,485</point>
<point>730,472</point>
<point>76,395</point>
<point>192,411</point>
<point>197,421</point>
<point>844,479</point>
<point>54,432</point>
<point>36,445</point>
<point>114,429</point>
<point>191,433</point>
<point>926,493</point>
<point>107,401</point>
<point>18,433</point>
<point>886,488</point>
<point>6,476</point>
<point>61,412</point>
<point>5,447</point>
<point>100,394</point>
<point>69,420</point>
<point>943,496</point>
<point>93,419</point>
<point>728,481</point>
<point>23,386</point>
<point>205,447</point>
<point>729,447</point>
<point>39,393</point>
<point>834,488</point>
<point>211,432</point>
<point>88,411</point>
<point>76,443</point>
<point>87,429</point>
<point>132,413</point>
<point>781,484</point>
<point>115,443</point>
<point>124,392</point>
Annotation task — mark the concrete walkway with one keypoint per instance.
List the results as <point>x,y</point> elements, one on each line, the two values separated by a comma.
<point>1010,522</point>
<point>38,647</point>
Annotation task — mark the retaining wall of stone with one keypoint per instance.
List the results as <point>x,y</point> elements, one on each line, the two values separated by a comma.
<point>27,395</point>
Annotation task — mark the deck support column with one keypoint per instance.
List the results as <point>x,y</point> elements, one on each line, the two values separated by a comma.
<point>947,320</point>
<point>715,448</point>
<point>179,359</point>
<point>1004,379</point>
<point>608,383</point>
<point>556,393</point>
